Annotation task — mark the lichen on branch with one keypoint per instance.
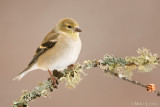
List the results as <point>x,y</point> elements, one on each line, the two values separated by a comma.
<point>122,68</point>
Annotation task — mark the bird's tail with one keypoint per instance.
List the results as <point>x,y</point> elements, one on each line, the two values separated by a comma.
<point>25,71</point>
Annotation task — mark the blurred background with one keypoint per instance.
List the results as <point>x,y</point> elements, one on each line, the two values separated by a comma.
<point>117,27</point>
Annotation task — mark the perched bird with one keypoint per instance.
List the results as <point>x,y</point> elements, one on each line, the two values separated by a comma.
<point>59,49</point>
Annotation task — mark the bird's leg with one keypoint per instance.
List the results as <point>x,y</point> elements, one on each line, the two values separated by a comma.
<point>54,80</point>
<point>71,66</point>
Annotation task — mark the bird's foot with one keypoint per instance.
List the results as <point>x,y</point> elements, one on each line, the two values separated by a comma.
<point>53,79</point>
<point>71,66</point>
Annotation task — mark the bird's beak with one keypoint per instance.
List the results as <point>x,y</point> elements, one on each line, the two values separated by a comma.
<point>77,29</point>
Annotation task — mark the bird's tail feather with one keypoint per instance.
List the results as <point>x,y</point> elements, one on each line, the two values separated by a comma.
<point>25,71</point>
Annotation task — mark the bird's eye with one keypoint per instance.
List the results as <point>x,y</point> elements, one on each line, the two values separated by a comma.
<point>69,26</point>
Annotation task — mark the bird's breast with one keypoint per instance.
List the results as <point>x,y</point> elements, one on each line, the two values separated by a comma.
<point>64,53</point>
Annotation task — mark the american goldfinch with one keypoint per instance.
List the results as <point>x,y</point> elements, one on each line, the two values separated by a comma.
<point>59,49</point>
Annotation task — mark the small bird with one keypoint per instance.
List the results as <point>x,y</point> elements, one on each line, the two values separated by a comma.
<point>59,49</point>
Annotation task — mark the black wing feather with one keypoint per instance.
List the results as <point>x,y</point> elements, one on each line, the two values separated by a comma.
<point>42,49</point>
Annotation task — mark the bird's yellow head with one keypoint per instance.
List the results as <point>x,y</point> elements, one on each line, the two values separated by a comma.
<point>68,26</point>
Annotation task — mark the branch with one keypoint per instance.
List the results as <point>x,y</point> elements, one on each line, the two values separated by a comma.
<point>120,67</point>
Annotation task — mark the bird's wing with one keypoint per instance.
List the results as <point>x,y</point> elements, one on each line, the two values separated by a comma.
<point>49,41</point>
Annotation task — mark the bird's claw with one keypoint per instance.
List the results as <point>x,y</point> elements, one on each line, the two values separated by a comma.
<point>71,66</point>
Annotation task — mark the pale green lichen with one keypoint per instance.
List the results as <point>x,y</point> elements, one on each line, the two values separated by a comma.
<point>120,67</point>
<point>42,90</point>
<point>73,77</point>
<point>145,62</point>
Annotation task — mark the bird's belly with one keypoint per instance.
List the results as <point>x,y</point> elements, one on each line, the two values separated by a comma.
<point>61,56</point>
